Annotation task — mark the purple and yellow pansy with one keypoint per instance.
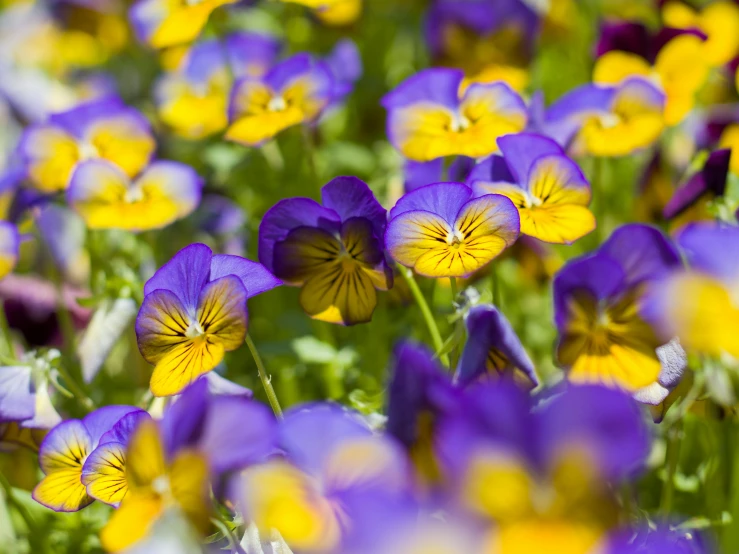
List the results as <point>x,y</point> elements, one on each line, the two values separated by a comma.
<point>64,453</point>
<point>502,456</point>
<point>193,99</point>
<point>104,129</point>
<point>293,92</point>
<point>171,464</point>
<point>334,251</point>
<point>106,198</point>
<point>333,462</point>
<point>706,318</point>
<point>678,66</point>
<point>194,311</point>
<point>442,230</point>
<point>166,23</point>
<point>607,121</point>
<point>431,115</point>
<point>548,189</point>
<point>493,349</point>
<point>603,337</point>
<point>9,244</point>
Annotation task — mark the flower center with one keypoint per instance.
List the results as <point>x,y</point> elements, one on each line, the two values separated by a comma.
<point>194,330</point>
<point>277,104</point>
<point>133,195</point>
<point>160,485</point>
<point>88,151</point>
<point>459,123</point>
<point>455,239</point>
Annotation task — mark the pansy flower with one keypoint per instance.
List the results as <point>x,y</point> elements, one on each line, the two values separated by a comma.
<point>165,23</point>
<point>9,243</point>
<point>607,121</point>
<point>106,198</point>
<point>542,477</point>
<point>334,251</point>
<point>294,91</point>
<point>157,483</point>
<point>64,452</point>
<point>548,189</point>
<point>333,462</point>
<point>493,348</point>
<point>194,311</point>
<point>490,40</point>
<point>193,100</point>
<point>603,337</point>
<point>699,305</point>
<point>215,433</point>
<point>104,129</point>
<point>430,116</point>
<point>440,230</point>
<point>678,66</point>
<point>719,21</point>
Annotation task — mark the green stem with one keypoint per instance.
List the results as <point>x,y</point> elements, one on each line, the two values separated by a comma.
<point>672,457</point>
<point>495,285</point>
<point>310,154</point>
<point>453,286</point>
<point>597,185</point>
<point>7,337</point>
<point>428,316</point>
<point>266,380</point>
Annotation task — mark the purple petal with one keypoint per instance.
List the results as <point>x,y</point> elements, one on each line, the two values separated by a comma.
<point>237,432</point>
<point>606,422</point>
<point>309,434</point>
<point>184,275</point>
<point>285,216</point>
<point>255,277</point>
<point>77,120</point>
<point>351,197</point>
<point>642,251</point>
<point>710,179</point>
<point>625,36</point>
<point>487,328</point>
<point>712,248</point>
<point>17,397</point>
<point>436,86</point>
<point>443,199</point>
<point>563,118</point>
<point>419,174</point>
<point>497,416</point>
<point>657,541</point>
<point>218,385</point>
<point>492,169</point>
<point>68,439</point>
<point>123,429</point>
<point>183,421</point>
<point>252,53</point>
<point>522,150</point>
<point>104,419</point>
<point>418,385</point>
<point>599,275</point>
